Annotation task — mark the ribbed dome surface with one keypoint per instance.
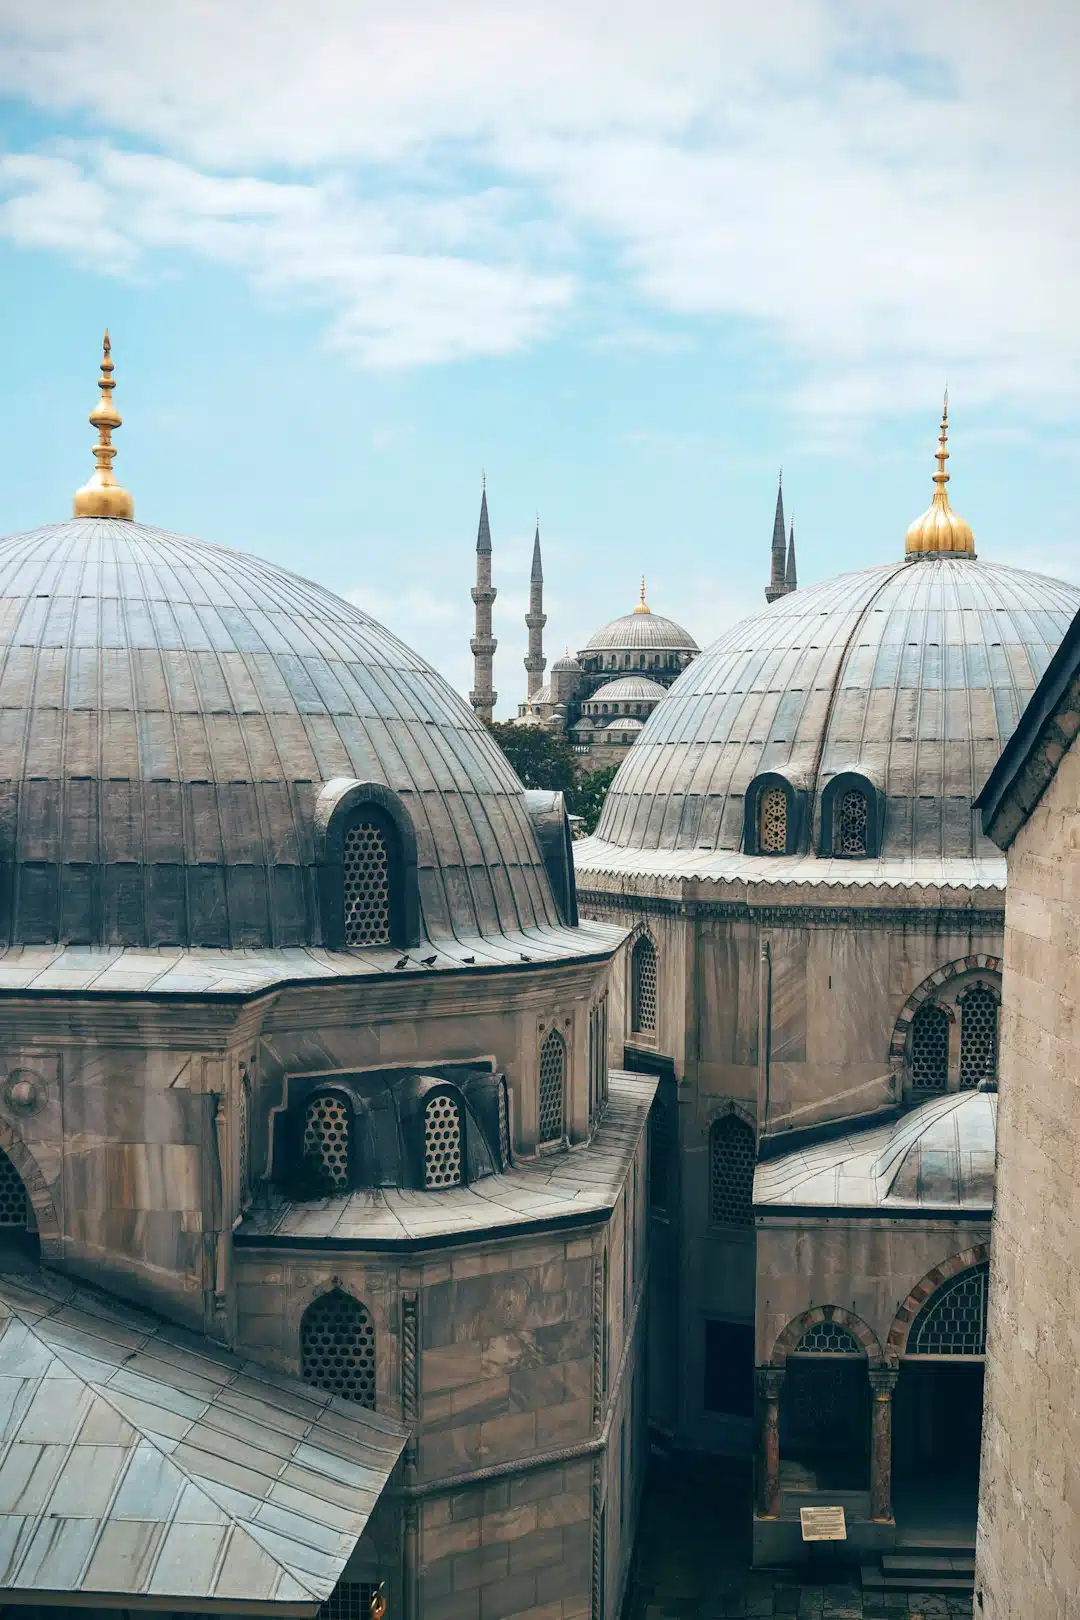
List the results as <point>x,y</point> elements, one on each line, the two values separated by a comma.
<point>169,711</point>
<point>628,689</point>
<point>643,631</point>
<point>915,673</point>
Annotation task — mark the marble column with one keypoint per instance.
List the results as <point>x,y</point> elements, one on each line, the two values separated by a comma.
<point>770,1385</point>
<point>882,1384</point>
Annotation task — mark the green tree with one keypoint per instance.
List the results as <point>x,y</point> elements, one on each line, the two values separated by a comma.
<point>542,759</point>
<point>586,798</point>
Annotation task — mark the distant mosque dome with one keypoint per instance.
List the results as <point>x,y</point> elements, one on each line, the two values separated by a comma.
<point>629,689</point>
<point>625,722</point>
<point>566,664</point>
<point>641,631</point>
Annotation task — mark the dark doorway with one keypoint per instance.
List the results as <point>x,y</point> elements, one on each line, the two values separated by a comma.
<point>729,1368</point>
<point>937,1428</point>
<point>825,1423</point>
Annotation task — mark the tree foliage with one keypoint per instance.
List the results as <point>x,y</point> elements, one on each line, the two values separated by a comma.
<point>544,759</point>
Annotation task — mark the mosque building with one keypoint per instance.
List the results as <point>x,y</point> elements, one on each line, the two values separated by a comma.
<point>601,698</point>
<point>324,1214</point>
<point>813,970</point>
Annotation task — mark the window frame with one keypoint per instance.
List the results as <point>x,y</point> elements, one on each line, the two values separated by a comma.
<point>644,942</point>
<point>545,1039</point>
<point>831,795</point>
<point>718,1123</point>
<point>340,805</point>
<point>796,816</point>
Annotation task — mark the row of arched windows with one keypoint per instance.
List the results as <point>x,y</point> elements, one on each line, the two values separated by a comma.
<point>852,812</point>
<point>931,1045</point>
<point>951,1323</point>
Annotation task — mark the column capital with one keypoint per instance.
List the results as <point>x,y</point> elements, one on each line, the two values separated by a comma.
<point>883,1381</point>
<point>770,1382</point>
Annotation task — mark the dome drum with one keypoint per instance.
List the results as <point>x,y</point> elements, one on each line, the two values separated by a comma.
<point>380,1129</point>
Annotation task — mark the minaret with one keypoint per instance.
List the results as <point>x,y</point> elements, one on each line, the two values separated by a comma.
<point>777,585</point>
<point>536,619</point>
<point>483,643</point>
<point>791,577</point>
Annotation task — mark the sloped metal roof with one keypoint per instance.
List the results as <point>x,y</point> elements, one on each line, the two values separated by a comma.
<point>169,710</point>
<point>940,1156</point>
<point>139,1462</point>
<point>914,673</point>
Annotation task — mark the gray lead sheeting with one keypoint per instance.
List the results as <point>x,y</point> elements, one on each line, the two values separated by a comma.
<point>140,1461</point>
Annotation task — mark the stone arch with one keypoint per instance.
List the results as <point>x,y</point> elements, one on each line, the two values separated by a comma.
<point>730,1105</point>
<point>896,1343</point>
<point>929,986</point>
<point>789,1338</point>
<point>41,1199</point>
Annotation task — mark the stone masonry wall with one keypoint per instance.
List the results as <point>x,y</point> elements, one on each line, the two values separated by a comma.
<point>1028,1553</point>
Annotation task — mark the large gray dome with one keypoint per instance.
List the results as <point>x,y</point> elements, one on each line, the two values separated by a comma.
<point>914,673</point>
<point>169,711</point>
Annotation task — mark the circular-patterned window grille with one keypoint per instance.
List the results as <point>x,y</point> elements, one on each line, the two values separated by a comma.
<point>552,1079</point>
<point>326,1139</point>
<point>14,1204</point>
<point>953,1320</point>
<point>366,874</point>
<point>337,1347</point>
<point>930,1048</point>
<point>731,1172</point>
<point>442,1142</point>
<point>643,986</point>
<point>978,1036</point>
<point>828,1339</point>
<point>852,823</point>
<point>772,820</point>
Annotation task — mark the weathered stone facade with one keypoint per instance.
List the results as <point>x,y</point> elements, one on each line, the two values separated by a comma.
<point>1028,1553</point>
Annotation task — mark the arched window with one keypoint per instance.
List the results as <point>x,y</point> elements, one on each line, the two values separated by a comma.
<point>953,1320</point>
<point>643,986</point>
<point>731,1171</point>
<point>442,1142</point>
<point>365,870</point>
<point>552,1082</point>
<point>851,823</point>
<point>337,1347</point>
<point>829,1339</point>
<point>930,1048</point>
<point>326,1141</point>
<point>14,1204</point>
<point>978,1036</point>
<point>773,822</point>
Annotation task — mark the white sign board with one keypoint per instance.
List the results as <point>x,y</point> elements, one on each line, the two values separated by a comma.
<point>823,1524</point>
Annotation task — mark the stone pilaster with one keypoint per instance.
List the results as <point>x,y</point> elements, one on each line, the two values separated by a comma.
<point>770,1387</point>
<point>882,1385</point>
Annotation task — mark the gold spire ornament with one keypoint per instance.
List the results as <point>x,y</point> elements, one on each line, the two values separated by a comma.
<point>101,496</point>
<point>940,531</point>
<point>643,606</point>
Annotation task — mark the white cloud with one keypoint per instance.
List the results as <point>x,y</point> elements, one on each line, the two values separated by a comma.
<point>883,194</point>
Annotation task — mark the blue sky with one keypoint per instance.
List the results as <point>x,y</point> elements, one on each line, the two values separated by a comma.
<point>627,261</point>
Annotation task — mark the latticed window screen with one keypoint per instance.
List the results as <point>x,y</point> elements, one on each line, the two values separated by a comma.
<point>552,1078</point>
<point>350,1600</point>
<point>852,823</point>
<point>366,877</point>
<point>978,1035</point>
<point>772,821</point>
<point>337,1347</point>
<point>442,1142</point>
<point>14,1205</point>
<point>731,1171</point>
<point>326,1138</point>
<point>828,1339</point>
<point>953,1321</point>
<point>643,986</point>
<point>930,1048</point>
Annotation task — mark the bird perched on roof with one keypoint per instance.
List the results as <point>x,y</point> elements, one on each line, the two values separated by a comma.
<point>429,961</point>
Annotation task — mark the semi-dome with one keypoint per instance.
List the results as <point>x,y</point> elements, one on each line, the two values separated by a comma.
<point>629,689</point>
<point>626,722</point>
<point>171,712</point>
<point>642,631</point>
<point>911,675</point>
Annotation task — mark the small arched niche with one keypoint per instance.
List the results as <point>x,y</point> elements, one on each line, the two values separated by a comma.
<point>774,816</point>
<point>366,853</point>
<point>852,817</point>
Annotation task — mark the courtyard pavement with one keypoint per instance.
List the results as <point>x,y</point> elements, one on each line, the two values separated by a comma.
<point>692,1560</point>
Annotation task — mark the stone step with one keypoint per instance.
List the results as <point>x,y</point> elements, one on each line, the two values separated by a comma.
<point>940,1563</point>
<point>875,1579</point>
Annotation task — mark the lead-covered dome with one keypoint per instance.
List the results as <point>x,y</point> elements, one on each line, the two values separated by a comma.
<point>641,632</point>
<point>170,712</point>
<point>911,676</point>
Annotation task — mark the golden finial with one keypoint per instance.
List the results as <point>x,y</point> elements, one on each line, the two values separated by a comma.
<point>101,495</point>
<point>643,606</point>
<point>940,530</point>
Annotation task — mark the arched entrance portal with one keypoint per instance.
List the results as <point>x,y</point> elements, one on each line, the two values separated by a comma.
<point>939,1403</point>
<point>825,1412</point>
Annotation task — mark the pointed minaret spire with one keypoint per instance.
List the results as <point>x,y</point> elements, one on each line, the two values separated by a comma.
<point>535,619</point>
<point>791,577</point>
<point>483,593</point>
<point>777,586</point>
